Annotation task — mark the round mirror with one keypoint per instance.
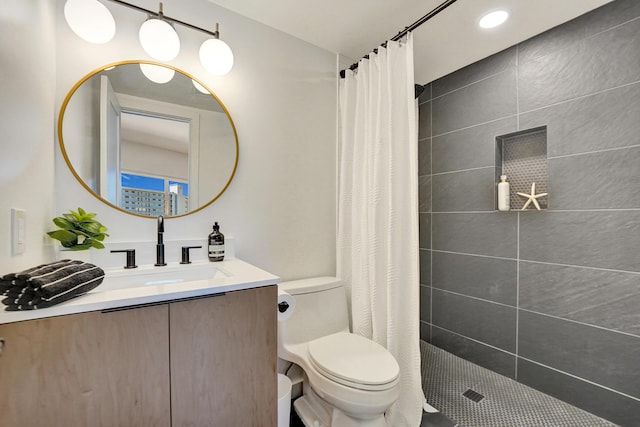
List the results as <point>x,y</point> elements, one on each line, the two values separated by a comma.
<point>148,139</point>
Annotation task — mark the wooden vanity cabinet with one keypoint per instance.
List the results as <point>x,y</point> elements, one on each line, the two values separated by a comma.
<point>87,369</point>
<point>238,386</point>
<point>209,361</point>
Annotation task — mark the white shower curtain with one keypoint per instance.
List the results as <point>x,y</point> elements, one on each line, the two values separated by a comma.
<point>378,213</point>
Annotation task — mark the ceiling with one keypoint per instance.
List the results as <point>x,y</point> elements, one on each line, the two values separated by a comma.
<point>447,42</point>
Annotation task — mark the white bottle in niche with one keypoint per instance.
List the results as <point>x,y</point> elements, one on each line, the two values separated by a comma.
<point>503,194</point>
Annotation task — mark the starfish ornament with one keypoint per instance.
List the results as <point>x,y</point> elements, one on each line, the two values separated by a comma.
<point>532,197</point>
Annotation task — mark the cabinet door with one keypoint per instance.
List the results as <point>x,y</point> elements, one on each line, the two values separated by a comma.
<point>88,369</point>
<point>223,360</point>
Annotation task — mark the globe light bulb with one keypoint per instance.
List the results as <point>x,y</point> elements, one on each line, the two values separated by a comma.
<point>159,39</point>
<point>216,57</point>
<point>90,20</point>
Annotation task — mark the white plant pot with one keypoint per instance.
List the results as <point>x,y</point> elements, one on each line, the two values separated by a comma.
<point>85,256</point>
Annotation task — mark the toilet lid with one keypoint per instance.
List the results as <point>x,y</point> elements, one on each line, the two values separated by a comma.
<point>353,360</point>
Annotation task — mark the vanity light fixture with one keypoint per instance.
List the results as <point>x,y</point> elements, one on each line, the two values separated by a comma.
<point>157,34</point>
<point>493,19</point>
<point>90,20</point>
<point>158,38</point>
<point>215,55</point>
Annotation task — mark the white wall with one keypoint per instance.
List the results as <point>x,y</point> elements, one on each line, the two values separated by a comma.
<point>214,167</point>
<point>281,94</point>
<point>26,127</point>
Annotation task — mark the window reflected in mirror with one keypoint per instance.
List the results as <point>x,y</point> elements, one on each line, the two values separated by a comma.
<point>154,164</point>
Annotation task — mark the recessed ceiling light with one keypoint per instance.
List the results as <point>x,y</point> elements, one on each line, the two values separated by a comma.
<point>493,19</point>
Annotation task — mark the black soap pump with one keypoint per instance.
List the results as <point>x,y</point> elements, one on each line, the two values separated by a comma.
<point>216,244</point>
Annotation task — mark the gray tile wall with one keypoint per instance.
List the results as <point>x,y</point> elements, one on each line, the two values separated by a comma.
<point>549,298</point>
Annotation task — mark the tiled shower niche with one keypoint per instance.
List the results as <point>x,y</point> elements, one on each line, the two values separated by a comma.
<point>522,157</point>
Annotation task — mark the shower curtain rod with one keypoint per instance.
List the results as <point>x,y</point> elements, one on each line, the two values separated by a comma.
<point>442,6</point>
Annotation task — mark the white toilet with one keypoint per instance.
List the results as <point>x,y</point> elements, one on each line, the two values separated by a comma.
<point>349,380</point>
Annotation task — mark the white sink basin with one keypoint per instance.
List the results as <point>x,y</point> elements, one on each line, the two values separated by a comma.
<point>150,275</point>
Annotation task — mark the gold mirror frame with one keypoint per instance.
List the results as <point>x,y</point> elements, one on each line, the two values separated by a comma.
<point>94,193</point>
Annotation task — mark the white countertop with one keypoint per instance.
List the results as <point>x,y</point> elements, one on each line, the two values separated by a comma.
<point>231,275</point>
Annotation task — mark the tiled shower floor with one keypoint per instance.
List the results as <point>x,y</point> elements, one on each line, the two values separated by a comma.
<point>506,403</point>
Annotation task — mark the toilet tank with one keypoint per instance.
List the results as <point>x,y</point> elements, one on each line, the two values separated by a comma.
<point>320,310</point>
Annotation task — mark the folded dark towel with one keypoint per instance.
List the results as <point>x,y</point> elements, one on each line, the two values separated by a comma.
<point>43,304</point>
<point>39,269</point>
<point>64,279</point>
<point>5,286</point>
<point>49,284</point>
<point>11,280</point>
<point>25,297</point>
<point>18,291</point>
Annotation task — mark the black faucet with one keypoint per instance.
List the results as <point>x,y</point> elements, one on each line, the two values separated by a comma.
<point>160,246</point>
<point>131,257</point>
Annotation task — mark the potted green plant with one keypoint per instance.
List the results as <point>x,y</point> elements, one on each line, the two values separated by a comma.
<point>79,231</point>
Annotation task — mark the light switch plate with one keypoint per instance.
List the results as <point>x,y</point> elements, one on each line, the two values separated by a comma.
<point>18,231</point>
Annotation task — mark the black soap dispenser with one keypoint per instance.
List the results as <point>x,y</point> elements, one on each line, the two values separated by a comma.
<point>216,244</point>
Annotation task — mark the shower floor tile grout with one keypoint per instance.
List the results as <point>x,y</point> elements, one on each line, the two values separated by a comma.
<point>505,402</point>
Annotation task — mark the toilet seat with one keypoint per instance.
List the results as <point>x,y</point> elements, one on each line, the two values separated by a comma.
<point>354,361</point>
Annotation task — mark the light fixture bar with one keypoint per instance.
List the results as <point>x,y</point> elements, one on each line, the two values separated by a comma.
<point>215,34</point>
